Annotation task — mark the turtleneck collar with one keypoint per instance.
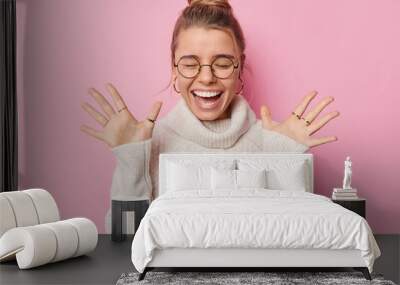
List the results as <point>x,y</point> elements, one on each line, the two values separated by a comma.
<point>221,133</point>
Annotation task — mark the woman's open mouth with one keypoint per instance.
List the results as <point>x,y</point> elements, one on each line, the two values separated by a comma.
<point>207,100</point>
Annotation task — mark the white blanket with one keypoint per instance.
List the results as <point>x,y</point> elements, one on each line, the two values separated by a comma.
<point>251,218</point>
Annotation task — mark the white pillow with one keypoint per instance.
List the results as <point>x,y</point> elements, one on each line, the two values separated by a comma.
<point>186,175</point>
<point>223,179</point>
<point>236,179</point>
<point>251,178</point>
<point>282,174</point>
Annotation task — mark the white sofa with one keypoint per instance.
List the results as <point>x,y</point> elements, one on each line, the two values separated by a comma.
<point>31,231</point>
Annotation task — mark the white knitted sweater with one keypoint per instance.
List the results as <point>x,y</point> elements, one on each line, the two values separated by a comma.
<point>136,173</point>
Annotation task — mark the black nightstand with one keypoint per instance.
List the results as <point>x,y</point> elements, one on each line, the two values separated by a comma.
<point>118,207</point>
<point>357,206</point>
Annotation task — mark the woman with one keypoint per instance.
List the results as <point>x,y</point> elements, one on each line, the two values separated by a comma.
<point>207,59</point>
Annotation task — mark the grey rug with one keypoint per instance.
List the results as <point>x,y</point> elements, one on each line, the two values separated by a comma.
<point>269,278</point>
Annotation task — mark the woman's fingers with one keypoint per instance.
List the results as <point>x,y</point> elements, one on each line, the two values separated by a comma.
<point>92,132</point>
<point>117,98</point>
<point>154,111</point>
<point>315,126</point>
<point>105,106</point>
<point>321,105</point>
<point>266,117</point>
<point>99,117</point>
<point>305,102</point>
<point>323,140</point>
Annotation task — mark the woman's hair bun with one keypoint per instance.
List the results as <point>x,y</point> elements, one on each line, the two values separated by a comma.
<point>217,3</point>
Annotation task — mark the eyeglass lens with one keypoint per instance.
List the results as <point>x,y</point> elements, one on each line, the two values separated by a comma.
<point>221,67</point>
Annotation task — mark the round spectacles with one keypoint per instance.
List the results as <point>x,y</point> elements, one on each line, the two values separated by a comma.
<point>221,67</point>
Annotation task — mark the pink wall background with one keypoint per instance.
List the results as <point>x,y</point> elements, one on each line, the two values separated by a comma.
<point>345,49</point>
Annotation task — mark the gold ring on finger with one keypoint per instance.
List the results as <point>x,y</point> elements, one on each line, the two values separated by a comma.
<point>120,110</point>
<point>307,122</point>
<point>298,116</point>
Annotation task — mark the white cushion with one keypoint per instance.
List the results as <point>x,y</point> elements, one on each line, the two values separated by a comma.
<point>223,179</point>
<point>251,178</point>
<point>185,174</point>
<point>66,236</point>
<point>40,244</point>
<point>32,246</point>
<point>45,205</point>
<point>26,208</point>
<point>235,179</point>
<point>282,174</point>
<point>7,218</point>
<point>23,208</point>
<point>87,233</point>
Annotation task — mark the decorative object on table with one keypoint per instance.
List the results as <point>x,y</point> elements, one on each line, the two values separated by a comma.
<point>31,231</point>
<point>118,208</point>
<point>347,173</point>
<point>347,192</point>
<point>243,278</point>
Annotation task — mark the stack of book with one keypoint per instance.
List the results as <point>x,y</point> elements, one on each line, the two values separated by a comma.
<point>344,194</point>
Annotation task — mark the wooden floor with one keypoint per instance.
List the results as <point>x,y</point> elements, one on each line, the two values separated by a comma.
<point>110,260</point>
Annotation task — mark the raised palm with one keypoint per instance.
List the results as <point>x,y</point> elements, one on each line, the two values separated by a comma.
<point>119,124</point>
<point>302,127</point>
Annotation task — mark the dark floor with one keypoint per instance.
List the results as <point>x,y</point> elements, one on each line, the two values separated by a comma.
<point>110,260</point>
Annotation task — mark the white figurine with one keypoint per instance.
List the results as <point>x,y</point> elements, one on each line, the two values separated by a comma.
<point>347,174</point>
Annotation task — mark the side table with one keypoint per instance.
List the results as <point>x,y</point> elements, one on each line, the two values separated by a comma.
<point>118,207</point>
<point>357,206</point>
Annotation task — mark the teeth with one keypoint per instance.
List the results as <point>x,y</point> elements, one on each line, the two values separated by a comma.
<point>206,94</point>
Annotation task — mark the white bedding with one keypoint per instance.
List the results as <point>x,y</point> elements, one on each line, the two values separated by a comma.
<point>250,218</point>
